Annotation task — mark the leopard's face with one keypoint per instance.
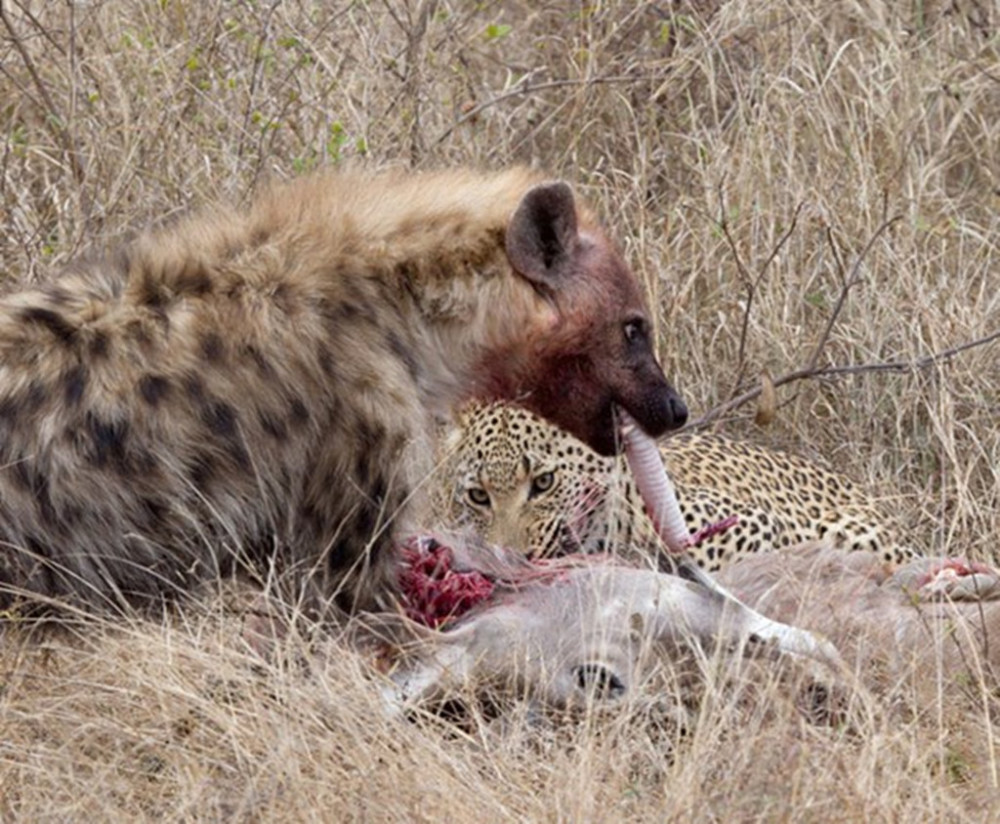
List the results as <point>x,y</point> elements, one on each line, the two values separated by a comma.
<point>517,481</point>
<point>515,485</point>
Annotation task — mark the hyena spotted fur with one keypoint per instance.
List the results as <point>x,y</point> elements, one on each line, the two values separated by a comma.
<point>256,389</point>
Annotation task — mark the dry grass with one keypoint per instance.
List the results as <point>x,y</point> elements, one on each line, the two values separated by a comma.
<point>708,132</point>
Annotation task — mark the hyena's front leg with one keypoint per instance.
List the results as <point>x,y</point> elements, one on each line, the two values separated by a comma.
<point>357,491</point>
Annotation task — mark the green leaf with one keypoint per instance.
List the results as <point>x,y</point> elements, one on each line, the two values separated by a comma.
<point>496,31</point>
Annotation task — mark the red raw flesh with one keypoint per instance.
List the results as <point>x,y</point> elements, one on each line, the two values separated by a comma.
<point>960,567</point>
<point>713,529</point>
<point>433,591</point>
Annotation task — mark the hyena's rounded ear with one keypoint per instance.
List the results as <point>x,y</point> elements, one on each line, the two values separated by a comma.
<point>542,233</point>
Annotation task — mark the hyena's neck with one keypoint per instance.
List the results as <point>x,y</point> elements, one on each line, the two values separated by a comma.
<point>475,332</point>
<point>432,244</point>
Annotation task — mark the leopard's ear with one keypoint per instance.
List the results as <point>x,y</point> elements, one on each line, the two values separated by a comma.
<point>451,429</point>
<point>450,439</point>
<point>460,417</point>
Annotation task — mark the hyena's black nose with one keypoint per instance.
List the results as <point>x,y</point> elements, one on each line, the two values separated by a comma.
<point>657,409</point>
<point>677,411</point>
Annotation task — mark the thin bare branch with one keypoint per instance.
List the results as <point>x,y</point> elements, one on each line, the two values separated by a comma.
<point>807,373</point>
<point>751,284</point>
<point>848,284</point>
<point>412,86</point>
<point>524,89</point>
<point>55,120</point>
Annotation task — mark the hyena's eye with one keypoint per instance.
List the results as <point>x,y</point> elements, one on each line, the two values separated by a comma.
<point>478,496</point>
<point>542,482</point>
<point>635,330</point>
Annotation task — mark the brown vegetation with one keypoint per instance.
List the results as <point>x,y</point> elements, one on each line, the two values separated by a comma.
<point>763,160</point>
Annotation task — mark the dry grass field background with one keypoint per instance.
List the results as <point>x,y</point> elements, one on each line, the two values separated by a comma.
<point>803,186</point>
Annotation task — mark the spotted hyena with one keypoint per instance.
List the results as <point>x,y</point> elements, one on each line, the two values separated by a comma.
<point>256,388</point>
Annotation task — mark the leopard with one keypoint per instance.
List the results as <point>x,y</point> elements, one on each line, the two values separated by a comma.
<point>513,479</point>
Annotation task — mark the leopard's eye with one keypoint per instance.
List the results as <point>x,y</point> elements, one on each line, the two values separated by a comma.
<point>542,482</point>
<point>478,496</point>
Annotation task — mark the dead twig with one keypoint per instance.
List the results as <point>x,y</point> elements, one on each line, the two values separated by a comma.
<point>415,29</point>
<point>54,120</point>
<point>847,283</point>
<point>525,88</point>
<point>751,284</point>
<point>916,365</point>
